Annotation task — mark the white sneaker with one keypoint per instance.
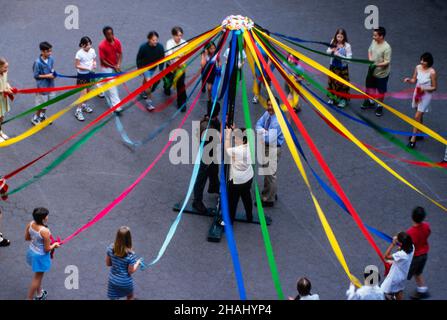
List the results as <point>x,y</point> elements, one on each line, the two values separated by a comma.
<point>150,106</point>
<point>35,120</point>
<point>101,95</point>
<point>330,101</point>
<point>86,108</point>
<point>255,99</point>
<point>2,140</point>
<point>79,115</point>
<point>3,135</point>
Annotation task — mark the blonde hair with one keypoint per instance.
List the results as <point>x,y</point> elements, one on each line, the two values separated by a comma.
<point>123,242</point>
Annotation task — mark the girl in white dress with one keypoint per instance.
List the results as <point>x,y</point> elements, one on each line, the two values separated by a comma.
<point>426,83</point>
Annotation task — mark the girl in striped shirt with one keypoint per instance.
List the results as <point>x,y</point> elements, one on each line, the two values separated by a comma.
<point>123,262</point>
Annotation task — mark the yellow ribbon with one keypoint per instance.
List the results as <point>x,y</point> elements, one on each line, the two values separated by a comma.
<point>288,138</point>
<point>313,101</point>
<point>319,67</point>
<point>119,80</point>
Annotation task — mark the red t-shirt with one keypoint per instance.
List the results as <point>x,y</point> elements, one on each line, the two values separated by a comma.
<point>419,234</point>
<point>109,51</point>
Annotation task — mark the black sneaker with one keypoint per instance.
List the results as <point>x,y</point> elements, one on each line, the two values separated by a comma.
<point>420,295</point>
<point>200,207</point>
<point>5,242</point>
<point>143,95</point>
<point>366,104</point>
<point>266,204</point>
<point>411,145</point>
<point>379,111</point>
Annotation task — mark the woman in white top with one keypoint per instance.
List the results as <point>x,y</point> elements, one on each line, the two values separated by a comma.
<point>394,284</point>
<point>241,172</point>
<point>39,251</point>
<point>85,63</point>
<point>339,48</point>
<point>426,83</point>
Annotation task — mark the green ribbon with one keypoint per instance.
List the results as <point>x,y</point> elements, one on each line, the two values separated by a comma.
<point>73,148</point>
<point>265,233</point>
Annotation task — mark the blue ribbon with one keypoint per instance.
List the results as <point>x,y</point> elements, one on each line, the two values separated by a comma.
<point>223,183</point>
<point>192,182</point>
<point>90,75</point>
<point>332,194</point>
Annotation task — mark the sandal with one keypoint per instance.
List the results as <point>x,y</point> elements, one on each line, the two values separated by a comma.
<point>5,243</point>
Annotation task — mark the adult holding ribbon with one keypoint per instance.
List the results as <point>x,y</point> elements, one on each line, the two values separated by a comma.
<point>379,72</point>
<point>150,52</point>
<point>273,139</point>
<point>426,81</point>
<point>110,57</point>
<point>6,94</point>
<point>43,69</point>
<point>172,45</point>
<point>85,63</point>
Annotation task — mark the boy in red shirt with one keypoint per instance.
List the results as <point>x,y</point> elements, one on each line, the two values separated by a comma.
<point>419,233</point>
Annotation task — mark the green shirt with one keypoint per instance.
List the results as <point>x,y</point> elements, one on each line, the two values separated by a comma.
<point>381,53</point>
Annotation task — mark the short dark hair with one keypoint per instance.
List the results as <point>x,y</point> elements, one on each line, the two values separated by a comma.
<point>406,243</point>
<point>418,215</point>
<point>152,34</point>
<point>215,111</point>
<point>428,57</point>
<point>39,214</point>
<point>106,28</point>
<point>381,31</point>
<point>176,30</point>
<point>45,46</point>
<point>85,41</point>
<point>304,286</point>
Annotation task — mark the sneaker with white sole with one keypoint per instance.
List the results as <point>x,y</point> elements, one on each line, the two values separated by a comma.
<point>150,106</point>
<point>342,104</point>
<point>86,108</point>
<point>3,135</point>
<point>255,99</point>
<point>330,101</point>
<point>101,95</point>
<point>79,115</point>
<point>35,120</point>
<point>43,295</point>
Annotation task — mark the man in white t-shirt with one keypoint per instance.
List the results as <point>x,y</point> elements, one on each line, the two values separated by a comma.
<point>172,45</point>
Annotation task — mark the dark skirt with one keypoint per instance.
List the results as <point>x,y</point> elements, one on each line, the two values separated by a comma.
<point>334,85</point>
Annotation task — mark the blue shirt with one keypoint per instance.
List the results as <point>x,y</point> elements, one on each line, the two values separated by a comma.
<point>263,123</point>
<point>42,68</point>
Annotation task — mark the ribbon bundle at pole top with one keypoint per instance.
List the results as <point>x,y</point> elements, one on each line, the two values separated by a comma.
<point>241,34</point>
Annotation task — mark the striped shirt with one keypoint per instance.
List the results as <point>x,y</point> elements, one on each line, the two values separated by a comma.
<point>120,281</point>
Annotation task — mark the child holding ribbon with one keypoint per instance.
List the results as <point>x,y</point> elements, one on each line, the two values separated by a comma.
<point>6,94</point>
<point>39,251</point>
<point>426,83</point>
<point>339,48</point>
<point>394,284</point>
<point>123,262</point>
<point>85,63</point>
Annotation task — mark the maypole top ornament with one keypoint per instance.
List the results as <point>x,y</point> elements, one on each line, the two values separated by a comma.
<point>237,22</point>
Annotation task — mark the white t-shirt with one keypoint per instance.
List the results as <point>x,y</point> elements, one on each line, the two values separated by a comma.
<point>241,170</point>
<point>310,297</point>
<point>171,44</point>
<point>86,59</point>
<point>365,293</point>
<point>397,277</point>
<point>241,59</point>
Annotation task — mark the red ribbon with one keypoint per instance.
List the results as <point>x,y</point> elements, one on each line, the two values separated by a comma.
<point>3,189</point>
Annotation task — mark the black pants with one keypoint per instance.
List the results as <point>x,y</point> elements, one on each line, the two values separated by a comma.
<point>236,191</point>
<point>206,171</point>
<point>180,87</point>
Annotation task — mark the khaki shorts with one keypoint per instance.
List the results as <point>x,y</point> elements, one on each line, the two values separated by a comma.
<point>40,99</point>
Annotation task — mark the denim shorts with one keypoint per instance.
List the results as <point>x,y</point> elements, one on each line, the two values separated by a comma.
<point>149,74</point>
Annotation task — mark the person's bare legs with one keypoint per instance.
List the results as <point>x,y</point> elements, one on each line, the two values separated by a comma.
<point>400,295</point>
<point>419,117</point>
<point>36,285</point>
